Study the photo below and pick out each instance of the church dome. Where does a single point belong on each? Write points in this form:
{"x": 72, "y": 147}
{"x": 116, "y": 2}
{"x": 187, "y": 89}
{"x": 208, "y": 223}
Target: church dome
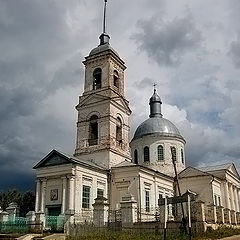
{"x": 102, "y": 48}
{"x": 157, "y": 125}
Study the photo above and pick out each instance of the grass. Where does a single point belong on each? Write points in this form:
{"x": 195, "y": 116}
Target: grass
{"x": 210, "y": 234}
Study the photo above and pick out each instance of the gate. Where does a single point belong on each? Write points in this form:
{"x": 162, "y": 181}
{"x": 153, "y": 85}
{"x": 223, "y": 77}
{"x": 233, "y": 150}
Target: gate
{"x": 115, "y": 220}
{"x": 55, "y": 223}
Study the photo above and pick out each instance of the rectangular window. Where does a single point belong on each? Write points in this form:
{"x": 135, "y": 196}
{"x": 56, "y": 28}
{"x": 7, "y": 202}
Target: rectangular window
{"x": 86, "y": 197}
{"x": 219, "y": 200}
{"x": 215, "y": 200}
{"x": 100, "y": 192}
{"x": 147, "y": 200}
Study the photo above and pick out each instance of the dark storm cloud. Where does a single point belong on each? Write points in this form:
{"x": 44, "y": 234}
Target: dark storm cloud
{"x": 38, "y": 58}
{"x": 167, "y": 41}
{"x": 42, "y": 44}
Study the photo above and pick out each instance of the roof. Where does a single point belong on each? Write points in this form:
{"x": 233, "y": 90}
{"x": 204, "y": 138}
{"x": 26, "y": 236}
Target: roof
{"x": 192, "y": 172}
{"x": 102, "y": 48}
{"x": 225, "y": 166}
{"x": 158, "y": 125}
{"x": 221, "y": 167}
{"x": 125, "y": 163}
{"x": 55, "y": 158}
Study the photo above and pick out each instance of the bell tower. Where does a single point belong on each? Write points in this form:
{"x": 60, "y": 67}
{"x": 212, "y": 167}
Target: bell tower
{"x": 103, "y": 111}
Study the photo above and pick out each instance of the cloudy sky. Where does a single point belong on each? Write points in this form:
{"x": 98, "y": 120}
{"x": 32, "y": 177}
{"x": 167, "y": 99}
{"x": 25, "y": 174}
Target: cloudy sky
{"x": 191, "y": 49}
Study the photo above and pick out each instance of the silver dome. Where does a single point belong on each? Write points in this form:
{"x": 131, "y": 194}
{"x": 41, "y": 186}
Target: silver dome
{"x": 102, "y": 48}
{"x": 157, "y": 125}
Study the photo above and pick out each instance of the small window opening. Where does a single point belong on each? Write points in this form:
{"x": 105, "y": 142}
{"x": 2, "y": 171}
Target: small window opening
{"x": 146, "y": 154}
{"x": 136, "y": 156}
{"x": 182, "y": 156}
{"x": 97, "y": 78}
{"x": 115, "y": 79}
{"x": 119, "y": 131}
{"x": 147, "y": 200}
{"x": 93, "y": 130}
{"x": 100, "y": 193}
{"x": 160, "y": 153}
{"x": 174, "y": 153}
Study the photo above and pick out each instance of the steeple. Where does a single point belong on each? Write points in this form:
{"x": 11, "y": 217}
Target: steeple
{"x": 104, "y": 37}
{"x": 155, "y": 104}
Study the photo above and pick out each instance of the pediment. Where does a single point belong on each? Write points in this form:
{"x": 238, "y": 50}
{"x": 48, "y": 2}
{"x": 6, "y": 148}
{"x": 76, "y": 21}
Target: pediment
{"x": 122, "y": 103}
{"x": 191, "y": 172}
{"x": 54, "y": 158}
{"x": 233, "y": 170}
{"x": 93, "y": 99}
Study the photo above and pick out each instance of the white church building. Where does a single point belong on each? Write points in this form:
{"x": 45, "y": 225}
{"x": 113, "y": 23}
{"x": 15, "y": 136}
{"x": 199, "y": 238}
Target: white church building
{"x": 107, "y": 164}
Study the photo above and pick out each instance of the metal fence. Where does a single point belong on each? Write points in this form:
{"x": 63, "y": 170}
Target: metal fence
{"x": 20, "y": 225}
{"x": 55, "y": 223}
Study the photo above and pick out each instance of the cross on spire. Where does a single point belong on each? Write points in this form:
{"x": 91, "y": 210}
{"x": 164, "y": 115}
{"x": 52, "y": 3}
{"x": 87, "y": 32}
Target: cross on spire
{"x": 154, "y": 87}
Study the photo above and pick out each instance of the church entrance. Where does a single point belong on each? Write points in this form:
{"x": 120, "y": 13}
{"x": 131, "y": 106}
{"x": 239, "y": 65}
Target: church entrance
{"x": 54, "y": 219}
{"x": 54, "y": 210}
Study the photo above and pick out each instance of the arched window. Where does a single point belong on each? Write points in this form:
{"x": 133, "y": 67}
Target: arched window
{"x": 146, "y": 154}
{"x": 160, "y": 153}
{"x": 93, "y": 130}
{"x": 182, "y": 156}
{"x": 115, "y": 79}
{"x": 173, "y": 153}
{"x": 119, "y": 131}
{"x": 97, "y": 78}
{"x": 136, "y": 156}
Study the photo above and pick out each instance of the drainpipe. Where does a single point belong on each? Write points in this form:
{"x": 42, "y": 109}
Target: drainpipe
{"x": 139, "y": 196}
{"x": 211, "y": 186}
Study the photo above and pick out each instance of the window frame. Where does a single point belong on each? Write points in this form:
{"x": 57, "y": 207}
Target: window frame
{"x": 119, "y": 131}
{"x": 97, "y": 78}
{"x": 93, "y": 130}
{"x": 146, "y": 154}
{"x": 147, "y": 200}
{"x": 86, "y": 196}
{"x": 160, "y": 154}
{"x": 135, "y": 156}
{"x": 100, "y": 190}
{"x": 182, "y": 156}
{"x": 116, "y": 79}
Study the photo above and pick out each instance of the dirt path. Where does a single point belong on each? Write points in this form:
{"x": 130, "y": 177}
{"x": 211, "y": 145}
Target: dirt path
{"x": 236, "y": 237}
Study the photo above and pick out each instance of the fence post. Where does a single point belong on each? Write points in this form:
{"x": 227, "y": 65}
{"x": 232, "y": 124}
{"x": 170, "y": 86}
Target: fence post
{"x": 13, "y": 211}
{"x": 31, "y": 218}
{"x": 40, "y": 220}
{"x": 128, "y": 210}
{"x": 100, "y": 212}
{"x": 3, "y": 216}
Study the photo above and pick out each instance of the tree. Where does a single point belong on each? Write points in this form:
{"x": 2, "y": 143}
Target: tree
{"x": 25, "y": 201}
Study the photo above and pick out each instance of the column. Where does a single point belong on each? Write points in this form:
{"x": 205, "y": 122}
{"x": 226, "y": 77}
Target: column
{"x": 71, "y": 193}
{"x": 37, "y": 195}
{"x": 231, "y": 195}
{"x": 44, "y": 185}
{"x": 226, "y": 195}
{"x": 236, "y": 199}
{"x": 64, "y": 188}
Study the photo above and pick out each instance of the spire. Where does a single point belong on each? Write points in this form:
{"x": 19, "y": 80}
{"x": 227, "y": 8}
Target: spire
{"x": 155, "y": 104}
{"x": 104, "y": 37}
